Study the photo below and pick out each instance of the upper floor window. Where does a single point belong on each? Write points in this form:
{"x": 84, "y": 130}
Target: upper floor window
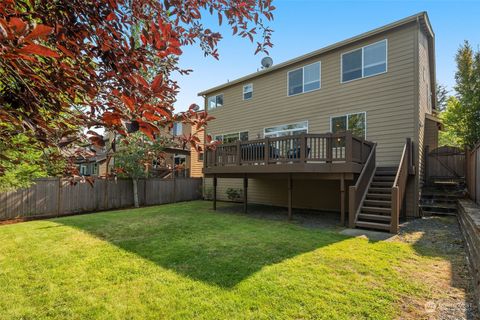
{"x": 304, "y": 79}
{"x": 286, "y": 129}
{"x": 215, "y": 101}
{"x": 355, "y": 122}
{"x": 365, "y": 62}
{"x": 232, "y": 137}
{"x": 247, "y": 91}
{"x": 177, "y": 129}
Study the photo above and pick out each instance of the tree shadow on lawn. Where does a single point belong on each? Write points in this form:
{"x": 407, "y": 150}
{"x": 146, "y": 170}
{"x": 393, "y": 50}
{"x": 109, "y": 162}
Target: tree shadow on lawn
{"x": 215, "y": 247}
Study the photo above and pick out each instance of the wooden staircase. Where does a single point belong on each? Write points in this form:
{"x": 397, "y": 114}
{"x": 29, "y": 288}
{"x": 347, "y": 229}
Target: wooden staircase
{"x": 376, "y": 208}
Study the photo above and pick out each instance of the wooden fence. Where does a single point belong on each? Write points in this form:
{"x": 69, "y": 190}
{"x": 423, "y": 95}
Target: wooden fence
{"x": 473, "y": 173}
{"x": 51, "y": 197}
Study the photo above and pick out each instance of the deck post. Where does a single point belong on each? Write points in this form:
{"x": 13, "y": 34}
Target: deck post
{"x": 290, "y": 187}
{"x": 348, "y": 147}
{"x": 245, "y": 193}
{"x": 214, "y": 193}
{"x": 329, "y": 146}
{"x": 342, "y": 199}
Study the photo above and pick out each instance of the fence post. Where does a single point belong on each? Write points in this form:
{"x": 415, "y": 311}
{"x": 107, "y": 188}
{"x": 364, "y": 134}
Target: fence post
{"x": 59, "y": 196}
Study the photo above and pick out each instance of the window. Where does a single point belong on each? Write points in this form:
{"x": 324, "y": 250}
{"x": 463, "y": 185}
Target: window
{"x": 177, "y": 129}
{"x": 200, "y": 156}
{"x": 247, "y": 91}
{"x": 286, "y": 129}
{"x": 365, "y": 62}
{"x": 232, "y": 137}
{"x": 304, "y": 79}
{"x": 355, "y": 122}
{"x": 215, "y": 101}
{"x": 83, "y": 170}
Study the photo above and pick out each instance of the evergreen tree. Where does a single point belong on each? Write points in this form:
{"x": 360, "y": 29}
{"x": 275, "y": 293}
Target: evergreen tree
{"x": 468, "y": 94}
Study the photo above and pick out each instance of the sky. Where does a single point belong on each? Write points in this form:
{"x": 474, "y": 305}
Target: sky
{"x": 302, "y": 26}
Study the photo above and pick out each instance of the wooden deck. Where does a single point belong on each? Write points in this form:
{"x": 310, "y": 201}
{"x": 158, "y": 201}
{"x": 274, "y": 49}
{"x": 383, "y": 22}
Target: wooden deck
{"x": 306, "y": 153}
{"x": 339, "y": 156}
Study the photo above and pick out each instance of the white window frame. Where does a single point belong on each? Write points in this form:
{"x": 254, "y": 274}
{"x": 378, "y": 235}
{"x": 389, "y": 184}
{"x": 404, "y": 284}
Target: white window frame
{"x": 363, "y": 61}
{"x": 283, "y": 124}
{"x": 208, "y": 106}
{"x": 230, "y": 133}
{"x": 303, "y": 79}
{"x": 243, "y": 91}
{"x": 349, "y": 114}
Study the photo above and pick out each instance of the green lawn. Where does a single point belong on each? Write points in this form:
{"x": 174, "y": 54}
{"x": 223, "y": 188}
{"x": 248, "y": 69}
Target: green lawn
{"x": 185, "y": 261}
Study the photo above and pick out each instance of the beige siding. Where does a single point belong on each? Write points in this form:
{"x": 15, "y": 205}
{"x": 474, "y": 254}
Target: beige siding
{"x": 424, "y": 106}
{"x": 431, "y": 134}
{"x": 305, "y": 193}
{"x": 390, "y": 101}
{"x": 196, "y": 165}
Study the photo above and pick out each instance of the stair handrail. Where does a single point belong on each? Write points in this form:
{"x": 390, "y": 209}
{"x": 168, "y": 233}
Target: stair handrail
{"x": 400, "y": 184}
{"x": 357, "y": 192}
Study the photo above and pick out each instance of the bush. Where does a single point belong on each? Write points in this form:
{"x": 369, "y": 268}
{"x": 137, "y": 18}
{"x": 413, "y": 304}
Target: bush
{"x": 234, "y": 194}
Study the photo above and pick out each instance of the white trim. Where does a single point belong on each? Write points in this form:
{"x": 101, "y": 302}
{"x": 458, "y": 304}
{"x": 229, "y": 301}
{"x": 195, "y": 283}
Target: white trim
{"x": 243, "y": 91}
{"x": 284, "y": 124}
{"x": 363, "y": 61}
{"x": 303, "y": 78}
{"x": 215, "y": 95}
{"x": 346, "y": 115}
{"x": 228, "y": 133}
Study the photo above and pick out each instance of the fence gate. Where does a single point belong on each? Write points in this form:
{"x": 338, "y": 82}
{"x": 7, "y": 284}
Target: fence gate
{"x": 444, "y": 164}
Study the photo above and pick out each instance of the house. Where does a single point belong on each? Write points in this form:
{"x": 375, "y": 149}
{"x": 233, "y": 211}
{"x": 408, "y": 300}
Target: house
{"x": 187, "y": 161}
{"x": 342, "y": 128}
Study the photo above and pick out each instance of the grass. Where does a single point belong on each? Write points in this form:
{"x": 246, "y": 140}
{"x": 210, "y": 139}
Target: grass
{"x": 184, "y": 261}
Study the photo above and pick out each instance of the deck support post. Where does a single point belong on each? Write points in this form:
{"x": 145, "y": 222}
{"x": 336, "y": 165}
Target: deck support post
{"x": 342, "y": 199}
{"x": 214, "y": 193}
{"x": 245, "y": 193}
{"x": 290, "y": 187}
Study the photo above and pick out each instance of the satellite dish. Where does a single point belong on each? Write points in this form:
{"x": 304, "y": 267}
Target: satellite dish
{"x": 267, "y": 62}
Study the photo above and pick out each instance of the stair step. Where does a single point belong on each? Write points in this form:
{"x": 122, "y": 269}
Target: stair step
{"x": 387, "y": 169}
{"x": 439, "y": 213}
{"x": 366, "y": 209}
{"x": 384, "y": 178}
{"x": 386, "y": 173}
{"x": 380, "y": 190}
{"x": 377, "y": 203}
{"x": 376, "y": 196}
{"x": 372, "y": 225}
{"x": 376, "y": 217}
{"x": 438, "y": 205}
{"x": 381, "y": 184}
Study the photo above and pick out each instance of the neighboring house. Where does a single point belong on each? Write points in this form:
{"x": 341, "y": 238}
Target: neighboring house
{"x": 188, "y": 161}
{"x": 95, "y": 165}
{"x": 372, "y": 92}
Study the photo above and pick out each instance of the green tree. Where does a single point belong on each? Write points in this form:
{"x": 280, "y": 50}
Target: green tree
{"x": 454, "y": 121}
{"x": 441, "y": 94}
{"x": 468, "y": 94}
{"x": 20, "y": 173}
{"x": 134, "y": 156}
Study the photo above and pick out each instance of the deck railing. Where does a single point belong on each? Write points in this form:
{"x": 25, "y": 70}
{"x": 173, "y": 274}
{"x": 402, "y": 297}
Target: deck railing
{"x": 303, "y": 148}
{"x": 405, "y": 169}
{"x": 358, "y": 191}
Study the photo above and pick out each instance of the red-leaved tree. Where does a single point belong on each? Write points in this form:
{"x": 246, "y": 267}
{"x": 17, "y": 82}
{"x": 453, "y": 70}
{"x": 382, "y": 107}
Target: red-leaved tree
{"x": 70, "y": 64}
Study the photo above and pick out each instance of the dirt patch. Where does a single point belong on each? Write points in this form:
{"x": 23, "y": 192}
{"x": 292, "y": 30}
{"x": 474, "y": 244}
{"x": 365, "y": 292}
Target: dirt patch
{"x": 447, "y": 277}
